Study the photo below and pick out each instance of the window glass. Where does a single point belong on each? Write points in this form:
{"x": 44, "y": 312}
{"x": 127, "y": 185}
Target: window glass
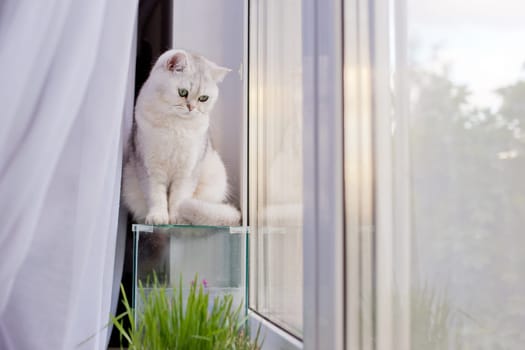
{"x": 466, "y": 106}
{"x": 275, "y": 156}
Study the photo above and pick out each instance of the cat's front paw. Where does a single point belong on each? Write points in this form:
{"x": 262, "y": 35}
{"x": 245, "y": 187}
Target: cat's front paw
{"x": 178, "y": 220}
{"x": 157, "y": 218}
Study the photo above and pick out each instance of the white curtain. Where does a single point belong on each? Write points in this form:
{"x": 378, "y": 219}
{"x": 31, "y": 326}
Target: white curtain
{"x": 65, "y": 107}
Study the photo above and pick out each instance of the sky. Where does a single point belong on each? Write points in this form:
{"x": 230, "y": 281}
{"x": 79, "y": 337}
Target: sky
{"x": 482, "y": 41}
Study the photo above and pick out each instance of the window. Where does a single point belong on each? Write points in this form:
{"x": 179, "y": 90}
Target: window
{"x": 435, "y": 92}
{"x": 296, "y": 172}
{"x": 465, "y": 109}
{"x": 276, "y": 163}
{"x": 400, "y": 208}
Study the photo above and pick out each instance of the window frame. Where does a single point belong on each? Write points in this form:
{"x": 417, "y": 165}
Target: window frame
{"x": 323, "y": 213}
{"x": 274, "y": 337}
{"x": 323, "y": 235}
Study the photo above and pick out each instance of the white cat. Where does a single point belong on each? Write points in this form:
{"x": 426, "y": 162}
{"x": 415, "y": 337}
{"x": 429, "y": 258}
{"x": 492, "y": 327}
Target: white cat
{"x": 173, "y": 174}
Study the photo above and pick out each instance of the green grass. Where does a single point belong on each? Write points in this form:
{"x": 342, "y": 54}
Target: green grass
{"x": 167, "y": 321}
{"x": 435, "y": 325}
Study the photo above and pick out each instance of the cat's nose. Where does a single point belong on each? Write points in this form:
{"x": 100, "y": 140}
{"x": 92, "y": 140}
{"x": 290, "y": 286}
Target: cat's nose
{"x": 190, "y": 107}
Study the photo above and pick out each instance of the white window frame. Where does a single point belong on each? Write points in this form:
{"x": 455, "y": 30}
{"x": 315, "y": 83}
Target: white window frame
{"x": 323, "y": 223}
{"x": 323, "y": 247}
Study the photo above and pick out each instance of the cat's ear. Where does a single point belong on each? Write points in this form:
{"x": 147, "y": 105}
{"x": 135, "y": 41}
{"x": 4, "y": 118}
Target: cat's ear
{"x": 178, "y": 62}
{"x": 218, "y": 73}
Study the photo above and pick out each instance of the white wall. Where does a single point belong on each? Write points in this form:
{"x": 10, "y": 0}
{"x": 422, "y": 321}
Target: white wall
{"x": 215, "y": 29}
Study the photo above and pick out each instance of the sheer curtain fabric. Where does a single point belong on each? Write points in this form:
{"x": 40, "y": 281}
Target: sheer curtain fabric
{"x": 65, "y": 68}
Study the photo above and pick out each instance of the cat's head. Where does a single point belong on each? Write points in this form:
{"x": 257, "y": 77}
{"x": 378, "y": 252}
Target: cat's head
{"x": 187, "y": 83}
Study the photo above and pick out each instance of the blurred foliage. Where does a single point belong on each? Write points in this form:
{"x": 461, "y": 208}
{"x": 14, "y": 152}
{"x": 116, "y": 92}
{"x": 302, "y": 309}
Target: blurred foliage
{"x": 435, "y": 323}
{"x": 468, "y": 197}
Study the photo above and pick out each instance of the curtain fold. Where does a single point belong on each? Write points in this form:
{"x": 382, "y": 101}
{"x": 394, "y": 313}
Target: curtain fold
{"x": 65, "y": 88}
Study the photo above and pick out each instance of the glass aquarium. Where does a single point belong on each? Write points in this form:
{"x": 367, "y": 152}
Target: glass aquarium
{"x": 212, "y": 256}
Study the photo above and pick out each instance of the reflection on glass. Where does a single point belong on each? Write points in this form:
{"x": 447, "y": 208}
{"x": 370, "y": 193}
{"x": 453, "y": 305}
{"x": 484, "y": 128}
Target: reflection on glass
{"x": 275, "y": 151}
{"x": 467, "y": 123}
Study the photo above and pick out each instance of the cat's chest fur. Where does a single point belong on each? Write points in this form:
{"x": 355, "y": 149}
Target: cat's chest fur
{"x": 174, "y": 147}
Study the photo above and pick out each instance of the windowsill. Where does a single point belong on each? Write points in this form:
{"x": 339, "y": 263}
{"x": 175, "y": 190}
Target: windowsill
{"x": 272, "y": 336}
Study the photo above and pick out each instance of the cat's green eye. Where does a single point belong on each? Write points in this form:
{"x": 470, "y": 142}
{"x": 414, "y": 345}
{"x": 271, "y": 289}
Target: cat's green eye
{"x": 203, "y": 98}
{"x": 183, "y": 93}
